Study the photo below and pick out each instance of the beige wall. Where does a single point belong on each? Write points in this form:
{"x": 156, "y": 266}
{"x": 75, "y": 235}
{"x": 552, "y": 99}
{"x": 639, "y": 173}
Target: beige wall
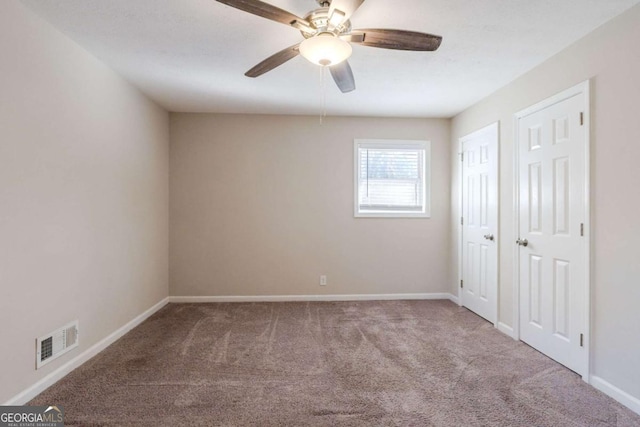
{"x": 263, "y": 205}
{"x": 83, "y": 196}
{"x": 611, "y": 58}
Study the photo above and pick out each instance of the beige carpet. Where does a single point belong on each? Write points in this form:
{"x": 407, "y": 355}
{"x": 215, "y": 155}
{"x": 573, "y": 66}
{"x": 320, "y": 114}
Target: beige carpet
{"x": 394, "y": 363}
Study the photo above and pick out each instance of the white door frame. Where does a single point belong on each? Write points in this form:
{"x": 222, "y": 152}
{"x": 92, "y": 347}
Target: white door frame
{"x": 583, "y": 88}
{"x": 461, "y": 142}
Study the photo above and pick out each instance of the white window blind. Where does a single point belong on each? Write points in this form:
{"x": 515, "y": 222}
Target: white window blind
{"x": 391, "y": 178}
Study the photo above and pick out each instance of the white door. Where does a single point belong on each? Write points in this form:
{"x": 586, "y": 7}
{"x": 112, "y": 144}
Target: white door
{"x": 552, "y": 147}
{"x": 479, "y": 286}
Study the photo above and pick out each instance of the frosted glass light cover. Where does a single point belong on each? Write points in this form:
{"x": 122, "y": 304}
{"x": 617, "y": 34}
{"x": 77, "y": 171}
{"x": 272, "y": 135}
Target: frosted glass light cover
{"x": 325, "y": 49}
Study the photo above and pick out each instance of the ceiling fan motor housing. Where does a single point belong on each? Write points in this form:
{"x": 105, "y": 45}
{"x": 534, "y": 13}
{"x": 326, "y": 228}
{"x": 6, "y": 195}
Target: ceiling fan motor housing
{"x": 319, "y": 20}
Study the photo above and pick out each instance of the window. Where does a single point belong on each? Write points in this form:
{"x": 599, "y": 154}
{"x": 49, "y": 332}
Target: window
{"x": 391, "y": 178}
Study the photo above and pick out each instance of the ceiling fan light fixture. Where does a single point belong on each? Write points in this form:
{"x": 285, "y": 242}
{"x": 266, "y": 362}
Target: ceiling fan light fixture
{"x": 325, "y": 49}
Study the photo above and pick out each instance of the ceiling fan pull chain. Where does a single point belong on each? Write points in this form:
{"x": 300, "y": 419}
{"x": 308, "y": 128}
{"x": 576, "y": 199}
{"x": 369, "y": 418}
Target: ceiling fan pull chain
{"x": 323, "y": 93}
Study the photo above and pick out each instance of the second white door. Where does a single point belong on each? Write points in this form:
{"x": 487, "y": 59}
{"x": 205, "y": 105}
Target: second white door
{"x": 479, "y": 285}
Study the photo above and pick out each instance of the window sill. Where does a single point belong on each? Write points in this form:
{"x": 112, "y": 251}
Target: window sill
{"x": 392, "y": 215}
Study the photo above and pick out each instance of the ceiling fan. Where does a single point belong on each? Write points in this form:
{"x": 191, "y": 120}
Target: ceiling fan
{"x": 328, "y": 36}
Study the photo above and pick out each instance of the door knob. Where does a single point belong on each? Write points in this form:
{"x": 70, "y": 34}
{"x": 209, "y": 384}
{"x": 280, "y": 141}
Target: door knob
{"x": 489, "y": 237}
{"x": 522, "y": 242}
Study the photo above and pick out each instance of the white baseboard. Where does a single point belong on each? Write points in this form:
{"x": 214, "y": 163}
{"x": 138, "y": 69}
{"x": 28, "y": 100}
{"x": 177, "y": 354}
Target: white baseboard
{"x": 46, "y": 382}
{"x": 614, "y": 392}
{"x": 284, "y": 298}
{"x": 505, "y": 329}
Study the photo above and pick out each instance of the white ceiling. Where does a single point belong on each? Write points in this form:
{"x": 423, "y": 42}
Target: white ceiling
{"x": 191, "y": 55}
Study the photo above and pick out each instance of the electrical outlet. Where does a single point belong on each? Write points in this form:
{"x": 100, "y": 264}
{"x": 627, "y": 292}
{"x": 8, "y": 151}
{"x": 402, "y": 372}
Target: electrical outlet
{"x": 323, "y": 280}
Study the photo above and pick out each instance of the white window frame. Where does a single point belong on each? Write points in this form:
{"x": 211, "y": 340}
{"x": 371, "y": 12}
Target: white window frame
{"x": 399, "y": 144}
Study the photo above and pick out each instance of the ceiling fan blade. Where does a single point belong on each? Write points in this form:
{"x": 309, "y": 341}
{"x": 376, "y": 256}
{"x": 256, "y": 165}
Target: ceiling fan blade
{"x": 343, "y": 76}
{"x": 274, "y": 61}
{"x": 268, "y": 11}
{"x": 343, "y": 9}
{"x": 396, "y": 39}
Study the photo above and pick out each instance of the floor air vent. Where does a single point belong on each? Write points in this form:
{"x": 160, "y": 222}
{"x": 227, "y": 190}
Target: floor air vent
{"x": 55, "y": 344}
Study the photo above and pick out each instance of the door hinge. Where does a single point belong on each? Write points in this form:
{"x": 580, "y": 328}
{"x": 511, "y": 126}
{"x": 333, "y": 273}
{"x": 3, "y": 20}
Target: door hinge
{"x": 581, "y": 119}
{"x": 462, "y": 157}
{"x": 462, "y": 283}
{"x": 582, "y": 230}
{"x": 461, "y": 220}
{"x": 581, "y": 340}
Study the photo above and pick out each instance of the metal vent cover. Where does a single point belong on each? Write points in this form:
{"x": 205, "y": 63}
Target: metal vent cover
{"x": 53, "y": 345}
